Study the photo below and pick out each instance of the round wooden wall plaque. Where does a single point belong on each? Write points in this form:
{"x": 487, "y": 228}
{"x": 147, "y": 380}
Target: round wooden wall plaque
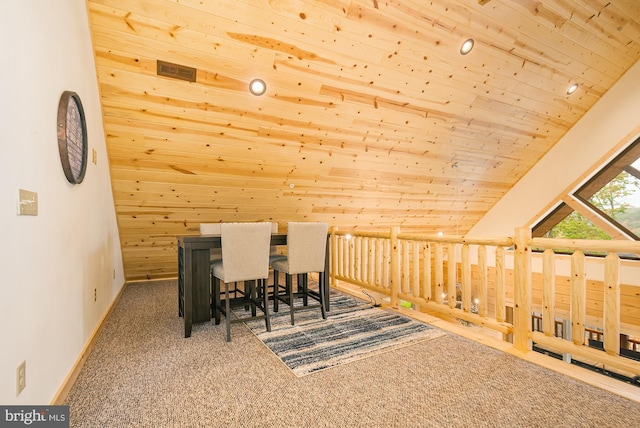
{"x": 72, "y": 137}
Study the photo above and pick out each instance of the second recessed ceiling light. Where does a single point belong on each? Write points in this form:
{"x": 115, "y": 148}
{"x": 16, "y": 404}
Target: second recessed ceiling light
{"x": 466, "y": 46}
{"x": 257, "y": 87}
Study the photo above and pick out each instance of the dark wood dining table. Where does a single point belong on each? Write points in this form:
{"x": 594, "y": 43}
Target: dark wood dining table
{"x": 194, "y": 283}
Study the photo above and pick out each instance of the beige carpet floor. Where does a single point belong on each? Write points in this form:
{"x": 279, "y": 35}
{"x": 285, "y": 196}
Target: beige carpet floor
{"x": 144, "y": 373}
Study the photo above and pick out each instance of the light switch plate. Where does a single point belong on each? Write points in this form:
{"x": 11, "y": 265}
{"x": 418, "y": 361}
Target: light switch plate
{"x": 27, "y": 202}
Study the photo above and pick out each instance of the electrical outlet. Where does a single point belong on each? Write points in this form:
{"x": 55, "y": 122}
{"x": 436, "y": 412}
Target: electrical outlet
{"x": 95, "y": 294}
{"x": 21, "y": 377}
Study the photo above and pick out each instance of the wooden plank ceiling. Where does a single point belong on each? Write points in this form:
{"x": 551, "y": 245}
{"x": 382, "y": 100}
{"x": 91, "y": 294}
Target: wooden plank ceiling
{"x": 369, "y": 106}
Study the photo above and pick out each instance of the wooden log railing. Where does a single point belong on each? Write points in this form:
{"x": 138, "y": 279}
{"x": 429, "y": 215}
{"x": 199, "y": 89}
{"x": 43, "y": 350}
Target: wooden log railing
{"x": 577, "y": 344}
{"x": 465, "y": 278}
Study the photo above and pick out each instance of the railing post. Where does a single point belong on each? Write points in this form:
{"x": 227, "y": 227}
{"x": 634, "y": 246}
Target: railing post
{"x": 522, "y": 290}
{"x": 395, "y": 265}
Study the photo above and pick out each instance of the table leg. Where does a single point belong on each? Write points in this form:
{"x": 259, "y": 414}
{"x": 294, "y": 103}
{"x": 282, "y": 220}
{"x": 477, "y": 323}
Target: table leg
{"x": 188, "y": 291}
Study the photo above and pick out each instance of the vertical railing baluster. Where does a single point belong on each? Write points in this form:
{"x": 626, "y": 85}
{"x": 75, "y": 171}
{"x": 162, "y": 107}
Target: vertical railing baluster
{"x": 371, "y": 260}
{"x": 386, "y": 267}
{"x": 365, "y": 260}
{"x": 357, "y": 274}
{"x": 378, "y": 262}
{"x": 501, "y": 306}
{"x": 439, "y": 274}
{"x": 340, "y": 244}
{"x": 352, "y": 267}
{"x": 452, "y": 275}
{"x": 404, "y": 261}
{"x": 466, "y": 278}
{"x": 415, "y": 277}
{"x": 395, "y": 268}
{"x": 578, "y": 297}
{"x": 548, "y": 292}
{"x": 483, "y": 293}
{"x": 426, "y": 271}
{"x": 341, "y": 256}
{"x": 612, "y": 304}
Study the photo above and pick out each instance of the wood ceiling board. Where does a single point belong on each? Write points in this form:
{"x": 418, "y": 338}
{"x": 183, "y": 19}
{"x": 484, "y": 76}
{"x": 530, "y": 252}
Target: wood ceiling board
{"x": 130, "y": 34}
{"x": 212, "y": 101}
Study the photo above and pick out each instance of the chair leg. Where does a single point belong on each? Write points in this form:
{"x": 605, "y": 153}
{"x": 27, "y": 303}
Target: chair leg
{"x": 291, "y": 297}
{"x": 321, "y": 293}
{"x": 265, "y": 303}
{"x": 276, "y": 287}
{"x": 324, "y": 282}
{"x": 212, "y": 293}
{"x": 227, "y": 314}
{"x": 303, "y": 287}
{"x": 251, "y": 285}
{"x": 216, "y": 301}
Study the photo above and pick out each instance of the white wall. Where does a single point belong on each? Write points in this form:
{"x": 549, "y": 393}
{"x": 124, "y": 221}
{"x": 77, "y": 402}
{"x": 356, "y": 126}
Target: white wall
{"x": 613, "y": 118}
{"x": 52, "y": 262}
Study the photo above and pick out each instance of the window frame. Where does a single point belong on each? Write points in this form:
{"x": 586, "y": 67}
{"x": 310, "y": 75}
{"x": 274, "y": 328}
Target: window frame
{"x": 622, "y": 162}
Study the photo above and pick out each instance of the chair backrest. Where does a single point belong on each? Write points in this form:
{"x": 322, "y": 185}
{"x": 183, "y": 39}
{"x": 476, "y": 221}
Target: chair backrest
{"x": 210, "y": 228}
{"x": 306, "y": 246}
{"x": 274, "y": 249}
{"x": 214, "y": 228}
{"x": 245, "y": 250}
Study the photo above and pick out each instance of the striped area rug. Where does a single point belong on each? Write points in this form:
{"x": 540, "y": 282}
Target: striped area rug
{"x": 353, "y": 330}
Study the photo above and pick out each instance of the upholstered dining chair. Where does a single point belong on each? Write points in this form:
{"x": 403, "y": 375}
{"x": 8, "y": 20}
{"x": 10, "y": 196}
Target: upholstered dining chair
{"x": 274, "y": 255}
{"x": 216, "y": 254}
{"x": 212, "y": 229}
{"x": 306, "y": 250}
{"x": 245, "y": 257}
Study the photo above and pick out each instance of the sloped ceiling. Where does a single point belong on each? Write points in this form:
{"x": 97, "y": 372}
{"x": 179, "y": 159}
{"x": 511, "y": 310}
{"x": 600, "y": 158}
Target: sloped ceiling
{"x": 371, "y": 117}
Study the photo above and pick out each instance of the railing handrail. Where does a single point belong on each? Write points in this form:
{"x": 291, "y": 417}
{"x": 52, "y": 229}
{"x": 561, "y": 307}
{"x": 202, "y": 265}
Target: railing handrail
{"x": 596, "y": 245}
{"x": 491, "y": 241}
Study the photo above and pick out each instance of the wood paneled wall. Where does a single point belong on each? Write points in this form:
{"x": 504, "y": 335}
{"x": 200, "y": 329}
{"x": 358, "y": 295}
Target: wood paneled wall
{"x": 369, "y": 106}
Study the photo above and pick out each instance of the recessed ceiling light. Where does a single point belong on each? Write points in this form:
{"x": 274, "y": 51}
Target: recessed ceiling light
{"x": 257, "y": 87}
{"x": 572, "y": 89}
{"x": 466, "y": 46}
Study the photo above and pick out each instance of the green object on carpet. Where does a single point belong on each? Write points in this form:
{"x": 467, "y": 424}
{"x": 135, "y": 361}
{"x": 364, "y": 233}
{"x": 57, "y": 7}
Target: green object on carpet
{"x": 353, "y": 330}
